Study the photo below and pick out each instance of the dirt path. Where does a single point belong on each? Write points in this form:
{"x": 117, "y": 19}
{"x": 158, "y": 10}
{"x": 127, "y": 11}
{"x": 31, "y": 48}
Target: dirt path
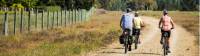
{"x": 182, "y": 43}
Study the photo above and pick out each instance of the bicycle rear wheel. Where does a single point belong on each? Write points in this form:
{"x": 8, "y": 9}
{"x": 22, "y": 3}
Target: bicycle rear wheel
{"x": 126, "y": 44}
{"x": 165, "y": 47}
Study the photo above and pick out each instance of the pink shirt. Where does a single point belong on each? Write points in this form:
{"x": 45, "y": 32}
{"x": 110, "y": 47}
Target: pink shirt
{"x": 166, "y": 23}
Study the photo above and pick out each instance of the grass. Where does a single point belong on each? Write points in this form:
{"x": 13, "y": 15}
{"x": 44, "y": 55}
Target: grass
{"x": 70, "y": 41}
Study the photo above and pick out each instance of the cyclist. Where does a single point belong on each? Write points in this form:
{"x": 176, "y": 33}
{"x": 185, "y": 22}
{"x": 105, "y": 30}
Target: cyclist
{"x": 126, "y": 22}
{"x": 138, "y": 23}
{"x": 166, "y": 24}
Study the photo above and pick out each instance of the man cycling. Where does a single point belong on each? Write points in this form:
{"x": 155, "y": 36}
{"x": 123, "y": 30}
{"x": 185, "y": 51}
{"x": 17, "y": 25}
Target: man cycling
{"x": 166, "y": 24}
{"x": 126, "y": 22}
{"x": 138, "y": 23}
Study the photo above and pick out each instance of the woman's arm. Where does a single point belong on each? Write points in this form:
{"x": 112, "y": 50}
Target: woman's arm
{"x": 172, "y": 22}
{"x": 159, "y": 25}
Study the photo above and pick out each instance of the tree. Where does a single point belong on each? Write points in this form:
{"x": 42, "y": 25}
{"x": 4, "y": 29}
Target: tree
{"x": 2, "y": 3}
{"x": 29, "y": 3}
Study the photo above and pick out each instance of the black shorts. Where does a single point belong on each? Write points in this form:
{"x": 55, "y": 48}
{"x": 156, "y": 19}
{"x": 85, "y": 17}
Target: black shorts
{"x": 168, "y": 33}
{"x": 136, "y": 31}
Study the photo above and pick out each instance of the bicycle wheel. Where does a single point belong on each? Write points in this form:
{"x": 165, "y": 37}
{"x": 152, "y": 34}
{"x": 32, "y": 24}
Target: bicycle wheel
{"x": 126, "y": 44}
{"x": 165, "y": 47}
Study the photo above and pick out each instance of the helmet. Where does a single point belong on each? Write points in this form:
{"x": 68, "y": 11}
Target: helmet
{"x": 128, "y": 10}
{"x": 136, "y": 14}
{"x": 165, "y": 11}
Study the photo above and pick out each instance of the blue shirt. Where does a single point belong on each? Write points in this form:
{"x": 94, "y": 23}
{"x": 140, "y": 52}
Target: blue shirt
{"x": 127, "y": 20}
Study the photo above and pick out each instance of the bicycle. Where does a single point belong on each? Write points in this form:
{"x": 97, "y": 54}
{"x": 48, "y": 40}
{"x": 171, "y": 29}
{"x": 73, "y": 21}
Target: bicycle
{"x": 165, "y": 45}
{"x": 127, "y": 39}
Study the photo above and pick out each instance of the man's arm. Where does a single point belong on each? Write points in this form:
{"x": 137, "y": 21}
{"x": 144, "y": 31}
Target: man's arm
{"x": 142, "y": 23}
{"x": 133, "y": 22}
{"x": 121, "y": 21}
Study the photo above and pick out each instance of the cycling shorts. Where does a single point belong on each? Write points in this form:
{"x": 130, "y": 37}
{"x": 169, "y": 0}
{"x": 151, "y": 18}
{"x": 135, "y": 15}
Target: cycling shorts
{"x": 168, "y": 33}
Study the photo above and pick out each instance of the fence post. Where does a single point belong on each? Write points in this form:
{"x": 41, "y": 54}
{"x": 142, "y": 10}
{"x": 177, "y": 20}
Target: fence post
{"x": 65, "y": 18}
{"x": 75, "y": 16}
{"x": 47, "y": 19}
{"x": 42, "y": 19}
{"x": 72, "y": 16}
{"x": 85, "y": 13}
{"x": 69, "y": 16}
{"x": 81, "y": 15}
{"x": 78, "y": 15}
{"x": 21, "y": 21}
{"x": 61, "y": 17}
{"x": 15, "y": 18}
{"x": 5, "y": 29}
{"x": 53, "y": 19}
{"x": 29, "y": 19}
{"x": 57, "y": 18}
{"x": 36, "y": 18}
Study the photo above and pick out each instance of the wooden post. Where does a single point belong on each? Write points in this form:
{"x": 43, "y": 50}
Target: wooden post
{"x": 69, "y": 17}
{"x": 29, "y": 19}
{"x": 57, "y": 18}
{"x": 72, "y": 16}
{"x": 5, "y": 29}
{"x": 48, "y": 19}
{"x": 65, "y": 18}
{"x": 21, "y": 21}
{"x": 75, "y": 19}
{"x": 81, "y": 15}
{"x": 53, "y": 19}
{"x": 78, "y": 15}
{"x": 36, "y": 18}
{"x": 61, "y": 17}
{"x": 15, "y": 18}
{"x": 42, "y": 19}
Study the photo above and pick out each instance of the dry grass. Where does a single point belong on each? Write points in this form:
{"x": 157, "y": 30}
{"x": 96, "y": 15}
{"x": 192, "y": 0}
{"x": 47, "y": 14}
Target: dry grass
{"x": 70, "y": 41}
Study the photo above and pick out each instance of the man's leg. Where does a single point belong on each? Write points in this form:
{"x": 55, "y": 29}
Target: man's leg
{"x": 129, "y": 48}
{"x": 139, "y": 36}
{"x": 131, "y": 38}
{"x": 161, "y": 40}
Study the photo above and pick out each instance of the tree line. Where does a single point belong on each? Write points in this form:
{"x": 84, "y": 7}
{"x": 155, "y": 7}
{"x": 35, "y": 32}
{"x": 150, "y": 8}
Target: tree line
{"x": 106, "y": 4}
{"x": 183, "y": 5}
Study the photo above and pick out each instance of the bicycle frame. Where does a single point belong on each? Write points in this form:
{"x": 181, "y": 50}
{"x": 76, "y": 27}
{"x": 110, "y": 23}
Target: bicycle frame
{"x": 165, "y": 44}
{"x": 126, "y": 40}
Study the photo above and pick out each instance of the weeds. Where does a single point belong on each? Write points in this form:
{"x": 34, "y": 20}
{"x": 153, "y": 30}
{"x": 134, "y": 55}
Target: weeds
{"x": 71, "y": 41}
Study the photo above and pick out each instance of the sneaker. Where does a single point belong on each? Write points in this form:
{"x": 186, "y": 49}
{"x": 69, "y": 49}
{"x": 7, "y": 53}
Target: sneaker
{"x": 168, "y": 51}
{"x": 161, "y": 42}
{"x": 129, "y": 49}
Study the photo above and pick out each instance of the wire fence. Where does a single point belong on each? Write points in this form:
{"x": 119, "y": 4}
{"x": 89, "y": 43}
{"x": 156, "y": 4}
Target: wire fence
{"x": 26, "y": 21}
